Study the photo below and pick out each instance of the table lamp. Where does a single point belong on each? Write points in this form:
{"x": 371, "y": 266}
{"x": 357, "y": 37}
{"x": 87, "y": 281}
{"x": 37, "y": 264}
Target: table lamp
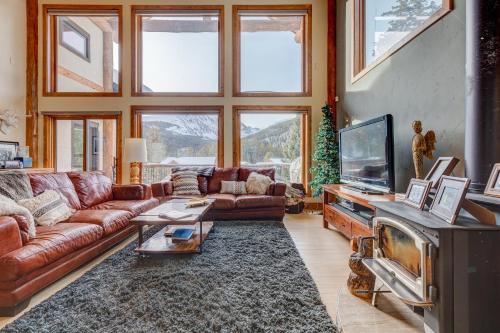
{"x": 135, "y": 153}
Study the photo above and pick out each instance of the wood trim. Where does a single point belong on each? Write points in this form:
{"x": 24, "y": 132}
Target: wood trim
{"x": 32, "y": 79}
{"x": 137, "y": 111}
{"x": 50, "y": 128}
{"x": 136, "y": 24}
{"x": 78, "y": 78}
{"x": 331, "y": 71}
{"x": 50, "y": 74}
{"x": 358, "y": 41}
{"x": 305, "y": 133}
{"x": 307, "y": 51}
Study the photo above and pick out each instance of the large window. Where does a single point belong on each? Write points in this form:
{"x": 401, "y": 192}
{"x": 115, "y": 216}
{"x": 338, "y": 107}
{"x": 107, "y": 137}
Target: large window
{"x": 82, "y": 50}
{"x": 382, "y": 27}
{"x": 272, "y": 51}
{"x": 178, "y": 50}
{"x": 273, "y": 136}
{"x": 179, "y": 136}
{"x": 83, "y": 142}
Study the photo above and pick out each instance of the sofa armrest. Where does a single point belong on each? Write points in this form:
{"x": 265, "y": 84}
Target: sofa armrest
{"x": 279, "y": 189}
{"x": 129, "y": 192}
{"x": 163, "y": 188}
{"x": 23, "y": 224}
{"x": 10, "y": 235}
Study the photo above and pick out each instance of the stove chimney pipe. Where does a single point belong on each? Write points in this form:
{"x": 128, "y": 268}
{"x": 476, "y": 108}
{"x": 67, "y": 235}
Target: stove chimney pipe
{"x": 482, "y": 115}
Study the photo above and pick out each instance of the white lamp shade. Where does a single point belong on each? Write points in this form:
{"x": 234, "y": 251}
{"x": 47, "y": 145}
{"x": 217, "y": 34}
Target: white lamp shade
{"x": 136, "y": 150}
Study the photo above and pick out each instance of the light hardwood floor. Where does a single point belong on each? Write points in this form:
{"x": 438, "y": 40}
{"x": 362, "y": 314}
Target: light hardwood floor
{"x": 325, "y": 253}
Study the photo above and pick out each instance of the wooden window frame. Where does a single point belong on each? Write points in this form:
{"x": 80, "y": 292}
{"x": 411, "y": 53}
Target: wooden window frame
{"x": 79, "y": 30}
{"x": 306, "y": 51}
{"x": 358, "y": 37}
{"x": 136, "y": 28}
{"x": 138, "y": 110}
{"x": 50, "y": 68}
{"x": 49, "y": 136}
{"x": 305, "y": 144}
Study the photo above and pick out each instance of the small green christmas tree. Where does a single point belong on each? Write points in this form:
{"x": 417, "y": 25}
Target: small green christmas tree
{"x": 326, "y": 155}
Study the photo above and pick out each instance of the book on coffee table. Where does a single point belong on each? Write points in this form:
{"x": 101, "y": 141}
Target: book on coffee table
{"x": 182, "y": 234}
{"x": 174, "y": 215}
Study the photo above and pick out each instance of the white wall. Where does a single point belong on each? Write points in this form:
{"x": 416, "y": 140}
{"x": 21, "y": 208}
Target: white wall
{"x": 319, "y": 52}
{"x": 13, "y": 64}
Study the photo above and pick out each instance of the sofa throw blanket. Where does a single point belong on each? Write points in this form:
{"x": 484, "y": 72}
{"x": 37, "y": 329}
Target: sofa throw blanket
{"x": 10, "y": 207}
{"x": 201, "y": 171}
{"x": 48, "y": 208}
{"x": 185, "y": 183}
{"x": 15, "y": 186}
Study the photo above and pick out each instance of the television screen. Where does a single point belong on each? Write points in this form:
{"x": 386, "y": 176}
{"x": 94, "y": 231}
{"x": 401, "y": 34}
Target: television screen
{"x": 366, "y": 152}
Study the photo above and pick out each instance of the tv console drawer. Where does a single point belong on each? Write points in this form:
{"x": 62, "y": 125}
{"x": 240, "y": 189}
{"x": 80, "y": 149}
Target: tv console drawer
{"x": 339, "y": 220}
{"x": 359, "y": 229}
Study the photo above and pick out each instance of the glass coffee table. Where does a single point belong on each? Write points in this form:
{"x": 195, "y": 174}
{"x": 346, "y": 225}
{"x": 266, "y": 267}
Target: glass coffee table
{"x": 161, "y": 244}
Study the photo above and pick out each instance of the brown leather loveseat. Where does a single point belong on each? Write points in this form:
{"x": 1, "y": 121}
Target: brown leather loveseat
{"x": 235, "y": 207}
{"x": 101, "y": 219}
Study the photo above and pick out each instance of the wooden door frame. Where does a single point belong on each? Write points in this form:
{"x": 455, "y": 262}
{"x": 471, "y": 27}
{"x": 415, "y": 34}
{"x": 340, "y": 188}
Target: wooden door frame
{"x": 305, "y": 128}
{"x": 49, "y": 136}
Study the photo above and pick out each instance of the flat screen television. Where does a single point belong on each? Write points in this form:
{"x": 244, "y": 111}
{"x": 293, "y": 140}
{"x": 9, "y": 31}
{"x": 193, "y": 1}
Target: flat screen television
{"x": 367, "y": 155}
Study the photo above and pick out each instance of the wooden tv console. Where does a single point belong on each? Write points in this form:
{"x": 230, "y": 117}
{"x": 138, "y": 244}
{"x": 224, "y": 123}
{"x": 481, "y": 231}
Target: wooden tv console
{"x": 351, "y": 223}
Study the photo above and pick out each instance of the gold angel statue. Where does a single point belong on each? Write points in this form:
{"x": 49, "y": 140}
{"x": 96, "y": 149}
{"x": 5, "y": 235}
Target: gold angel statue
{"x": 422, "y": 146}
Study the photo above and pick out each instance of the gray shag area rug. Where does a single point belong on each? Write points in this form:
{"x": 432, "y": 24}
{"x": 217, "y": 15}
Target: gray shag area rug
{"x": 250, "y": 278}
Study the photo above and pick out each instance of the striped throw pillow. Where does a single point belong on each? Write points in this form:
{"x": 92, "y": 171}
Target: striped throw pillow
{"x": 48, "y": 209}
{"x": 233, "y": 187}
{"x": 185, "y": 183}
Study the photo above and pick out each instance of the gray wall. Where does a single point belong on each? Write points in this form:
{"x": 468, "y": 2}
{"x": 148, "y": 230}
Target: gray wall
{"x": 424, "y": 80}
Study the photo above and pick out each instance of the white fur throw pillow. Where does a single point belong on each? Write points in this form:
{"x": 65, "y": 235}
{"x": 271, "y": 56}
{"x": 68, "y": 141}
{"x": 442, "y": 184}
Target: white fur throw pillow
{"x": 258, "y": 184}
{"x": 10, "y": 207}
{"x": 48, "y": 209}
{"x": 233, "y": 187}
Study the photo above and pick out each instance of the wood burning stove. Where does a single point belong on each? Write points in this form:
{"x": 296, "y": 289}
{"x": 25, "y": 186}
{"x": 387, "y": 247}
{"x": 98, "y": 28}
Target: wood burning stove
{"x": 403, "y": 258}
{"x": 451, "y": 271}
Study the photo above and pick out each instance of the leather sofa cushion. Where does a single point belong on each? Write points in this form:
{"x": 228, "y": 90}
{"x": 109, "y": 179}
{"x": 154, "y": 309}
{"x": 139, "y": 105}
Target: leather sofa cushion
{"x": 59, "y": 182}
{"x": 243, "y": 173}
{"x": 10, "y": 236}
{"x": 50, "y": 244}
{"x": 23, "y": 224}
{"x": 259, "y": 201}
{"x": 135, "y": 207}
{"x": 223, "y": 201}
{"x": 109, "y": 220}
{"x": 92, "y": 188}
{"x": 220, "y": 174}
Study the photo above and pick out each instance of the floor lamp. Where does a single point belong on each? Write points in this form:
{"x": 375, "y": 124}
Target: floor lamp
{"x": 135, "y": 153}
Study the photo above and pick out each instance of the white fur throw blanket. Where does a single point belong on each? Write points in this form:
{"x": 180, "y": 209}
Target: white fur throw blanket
{"x": 10, "y": 207}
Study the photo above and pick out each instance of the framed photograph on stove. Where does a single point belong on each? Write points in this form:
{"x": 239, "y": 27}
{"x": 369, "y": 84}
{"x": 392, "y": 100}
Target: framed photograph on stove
{"x": 449, "y": 197}
{"x": 417, "y": 192}
{"x": 493, "y": 185}
{"x": 443, "y": 167}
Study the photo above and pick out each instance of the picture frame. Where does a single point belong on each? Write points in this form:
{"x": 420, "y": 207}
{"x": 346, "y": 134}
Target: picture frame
{"x": 443, "y": 167}
{"x": 493, "y": 185}
{"x": 449, "y": 197}
{"x": 8, "y": 150}
{"x": 417, "y": 192}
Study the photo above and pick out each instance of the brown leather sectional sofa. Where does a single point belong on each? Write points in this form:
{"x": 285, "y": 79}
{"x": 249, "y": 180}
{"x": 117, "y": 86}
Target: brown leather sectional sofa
{"x": 235, "y": 207}
{"x": 101, "y": 220}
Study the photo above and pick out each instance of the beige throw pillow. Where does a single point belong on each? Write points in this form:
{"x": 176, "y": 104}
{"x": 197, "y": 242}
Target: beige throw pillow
{"x": 258, "y": 184}
{"x": 233, "y": 187}
{"x": 48, "y": 209}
